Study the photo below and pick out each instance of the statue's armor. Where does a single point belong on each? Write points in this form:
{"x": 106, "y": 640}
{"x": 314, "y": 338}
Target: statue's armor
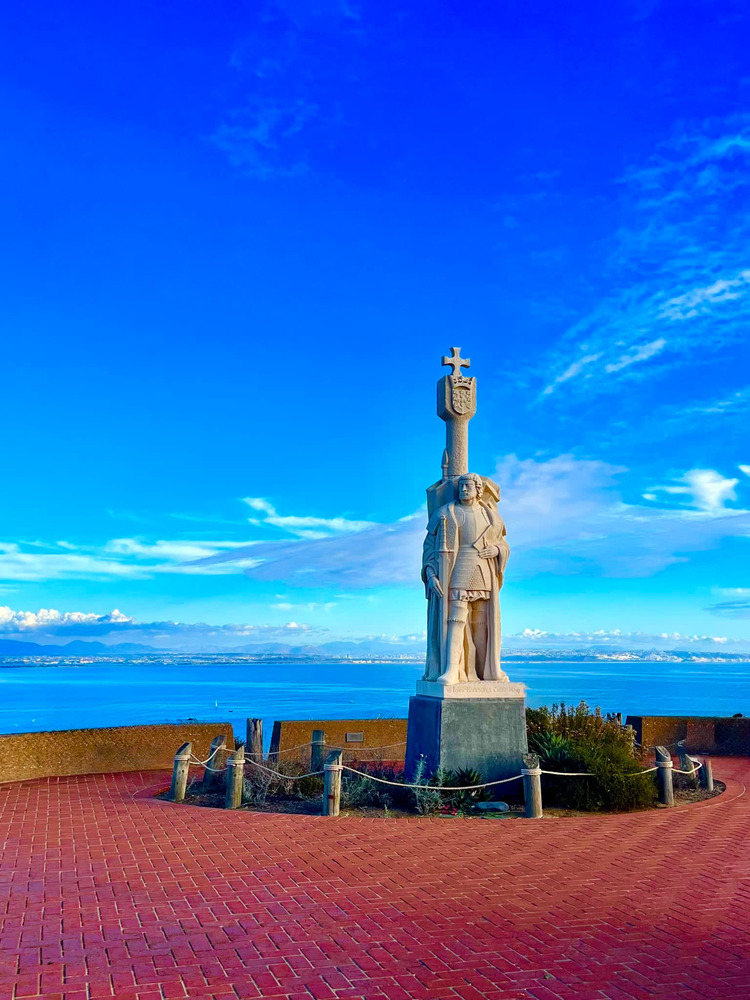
{"x": 470, "y": 572}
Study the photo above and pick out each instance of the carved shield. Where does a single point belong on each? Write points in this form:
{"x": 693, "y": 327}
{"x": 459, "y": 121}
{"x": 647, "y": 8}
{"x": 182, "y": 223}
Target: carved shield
{"x": 461, "y": 400}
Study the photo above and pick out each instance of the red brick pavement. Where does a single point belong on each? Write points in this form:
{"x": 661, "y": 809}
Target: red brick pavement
{"x": 107, "y": 892}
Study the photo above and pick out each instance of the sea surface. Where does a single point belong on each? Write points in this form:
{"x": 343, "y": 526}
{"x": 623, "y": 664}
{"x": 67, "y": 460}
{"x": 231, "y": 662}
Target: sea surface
{"x": 39, "y": 698}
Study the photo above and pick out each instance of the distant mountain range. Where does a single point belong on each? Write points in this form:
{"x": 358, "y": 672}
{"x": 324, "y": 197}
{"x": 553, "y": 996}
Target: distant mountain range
{"x": 78, "y": 647}
{"x": 364, "y": 649}
{"x": 81, "y": 647}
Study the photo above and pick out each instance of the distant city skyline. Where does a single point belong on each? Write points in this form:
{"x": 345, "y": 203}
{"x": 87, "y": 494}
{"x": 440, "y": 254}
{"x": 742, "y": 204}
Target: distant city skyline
{"x": 240, "y": 243}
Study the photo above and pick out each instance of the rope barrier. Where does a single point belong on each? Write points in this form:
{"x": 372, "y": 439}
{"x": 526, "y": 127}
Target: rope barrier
{"x": 441, "y": 788}
{"x": 571, "y": 774}
{"x": 329, "y": 746}
{"x": 204, "y": 763}
{"x": 698, "y": 766}
{"x": 388, "y": 746}
{"x": 278, "y": 774}
{"x": 431, "y": 788}
{"x": 216, "y": 770}
{"x": 300, "y": 746}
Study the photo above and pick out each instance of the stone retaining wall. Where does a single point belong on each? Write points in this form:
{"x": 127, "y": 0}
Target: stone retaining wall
{"x": 703, "y": 734}
{"x": 99, "y": 751}
{"x": 375, "y": 733}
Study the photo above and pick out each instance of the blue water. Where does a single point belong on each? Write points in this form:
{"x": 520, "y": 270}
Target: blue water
{"x": 34, "y": 699}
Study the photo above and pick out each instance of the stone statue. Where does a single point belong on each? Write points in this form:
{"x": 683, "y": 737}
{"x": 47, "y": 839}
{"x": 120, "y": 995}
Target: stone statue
{"x": 465, "y": 550}
{"x": 464, "y": 559}
{"x": 465, "y": 711}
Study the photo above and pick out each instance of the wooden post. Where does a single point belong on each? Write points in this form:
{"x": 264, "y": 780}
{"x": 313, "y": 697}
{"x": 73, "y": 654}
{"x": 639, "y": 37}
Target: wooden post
{"x": 254, "y": 743}
{"x": 665, "y": 776}
{"x": 687, "y": 764}
{"x": 215, "y": 759}
{"x": 180, "y": 772}
{"x": 317, "y": 750}
{"x": 706, "y": 774}
{"x": 332, "y": 784}
{"x": 532, "y": 786}
{"x": 235, "y": 774}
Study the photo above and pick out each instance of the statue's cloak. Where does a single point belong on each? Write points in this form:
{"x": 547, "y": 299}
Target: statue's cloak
{"x": 493, "y": 534}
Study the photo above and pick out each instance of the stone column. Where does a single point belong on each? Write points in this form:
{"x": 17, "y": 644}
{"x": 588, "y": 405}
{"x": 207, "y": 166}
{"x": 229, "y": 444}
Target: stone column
{"x": 456, "y": 405}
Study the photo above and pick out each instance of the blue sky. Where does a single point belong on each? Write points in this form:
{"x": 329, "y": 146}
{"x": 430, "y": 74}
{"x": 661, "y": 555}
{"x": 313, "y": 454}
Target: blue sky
{"x": 239, "y": 240}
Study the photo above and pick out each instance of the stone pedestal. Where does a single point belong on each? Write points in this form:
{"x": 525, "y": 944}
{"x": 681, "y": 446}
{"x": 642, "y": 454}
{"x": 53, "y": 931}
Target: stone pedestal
{"x": 454, "y": 727}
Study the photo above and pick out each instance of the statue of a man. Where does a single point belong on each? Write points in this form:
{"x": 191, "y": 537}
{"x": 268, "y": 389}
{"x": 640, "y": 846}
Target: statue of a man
{"x": 466, "y": 549}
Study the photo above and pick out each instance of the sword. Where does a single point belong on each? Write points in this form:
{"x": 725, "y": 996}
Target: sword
{"x": 443, "y": 553}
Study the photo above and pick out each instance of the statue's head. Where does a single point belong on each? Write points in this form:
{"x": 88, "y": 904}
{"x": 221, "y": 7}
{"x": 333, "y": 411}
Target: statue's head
{"x": 470, "y": 487}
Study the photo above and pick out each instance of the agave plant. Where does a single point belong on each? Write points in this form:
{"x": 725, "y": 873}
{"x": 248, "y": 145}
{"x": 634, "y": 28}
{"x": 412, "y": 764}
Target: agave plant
{"x": 552, "y": 747}
{"x": 467, "y": 798}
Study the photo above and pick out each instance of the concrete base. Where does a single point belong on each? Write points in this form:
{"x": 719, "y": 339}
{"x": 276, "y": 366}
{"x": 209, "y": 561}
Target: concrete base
{"x": 488, "y": 734}
{"x": 477, "y": 689}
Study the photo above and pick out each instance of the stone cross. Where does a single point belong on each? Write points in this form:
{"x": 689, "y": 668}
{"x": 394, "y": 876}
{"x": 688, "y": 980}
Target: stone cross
{"x": 456, "y": 361}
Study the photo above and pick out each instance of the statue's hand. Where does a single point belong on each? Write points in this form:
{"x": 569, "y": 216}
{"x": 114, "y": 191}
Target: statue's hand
{"x": 490, "y": 552}
{"x": 434, "y": 585}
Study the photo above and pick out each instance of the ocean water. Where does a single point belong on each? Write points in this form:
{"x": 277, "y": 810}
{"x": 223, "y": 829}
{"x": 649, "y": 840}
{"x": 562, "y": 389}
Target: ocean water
{"x": 35, "y": 699}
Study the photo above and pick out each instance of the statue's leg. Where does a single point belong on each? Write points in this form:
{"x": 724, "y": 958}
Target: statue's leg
{"x": 479, "y": 628}
{"x": 458, "y": 612}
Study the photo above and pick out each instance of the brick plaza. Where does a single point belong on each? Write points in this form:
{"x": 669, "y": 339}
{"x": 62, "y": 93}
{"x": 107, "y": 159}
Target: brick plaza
{"x": 107, "y": 892}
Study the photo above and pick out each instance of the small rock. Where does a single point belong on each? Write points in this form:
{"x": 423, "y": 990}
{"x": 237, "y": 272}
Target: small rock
{"x": 498, "y": 807}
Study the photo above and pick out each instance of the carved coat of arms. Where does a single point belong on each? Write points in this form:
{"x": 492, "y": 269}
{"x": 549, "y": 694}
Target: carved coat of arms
{"x": 461, "y": 399}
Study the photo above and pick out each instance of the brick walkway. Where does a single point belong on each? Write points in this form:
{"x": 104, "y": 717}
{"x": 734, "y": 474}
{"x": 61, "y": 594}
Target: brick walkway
{"x": 109, "y": 893}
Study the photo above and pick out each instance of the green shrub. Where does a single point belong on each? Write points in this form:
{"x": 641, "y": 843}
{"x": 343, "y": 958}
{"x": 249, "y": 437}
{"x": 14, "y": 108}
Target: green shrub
{"x": 427, "y": 801}
{"x": 464, "y": 799}
{"x": 358, "y": 792}
{"x": 259, "y": 785}
{"x": 581, "y": 740}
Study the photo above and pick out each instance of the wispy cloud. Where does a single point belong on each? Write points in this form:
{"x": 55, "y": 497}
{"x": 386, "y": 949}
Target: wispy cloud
{"x": 117, "y": 558}
{"x": 565, "y": 516}
{"x": 50, "y": 623}
{"x": 734, "y": 404}
{"x": 680, "y": 268}
{"x": 731, "y": 609}
{"x": 636, "y": 354}
{"x": 293, "y": 75}
{"x": 256, "y": 137}
{"x": 304, "y": 526}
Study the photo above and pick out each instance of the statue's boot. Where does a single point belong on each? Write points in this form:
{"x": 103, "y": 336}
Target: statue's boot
{"x": 458, "y": 616}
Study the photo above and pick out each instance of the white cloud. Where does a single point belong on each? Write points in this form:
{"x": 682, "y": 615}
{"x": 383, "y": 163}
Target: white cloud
{"x": 49, "y": 620}
{"x": 706, "y": 489}
{"x": 745, "y": 469}
{"x": 118, "y": 558}
{"x": 47, "y": 623}
{"x": 614, "y": 639}
{"x": 308, "y": 606}
{"x": 173, "y": 551}
{"x": 635, "y": 354}
{"x": 258, "y": 503}
{"x": 305, "y": 526}
{"x": 572, "y": 371}
{"x": 18, "y": 564}
{"x": 701, "y": 300}
{"x": 48, "y": 626}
